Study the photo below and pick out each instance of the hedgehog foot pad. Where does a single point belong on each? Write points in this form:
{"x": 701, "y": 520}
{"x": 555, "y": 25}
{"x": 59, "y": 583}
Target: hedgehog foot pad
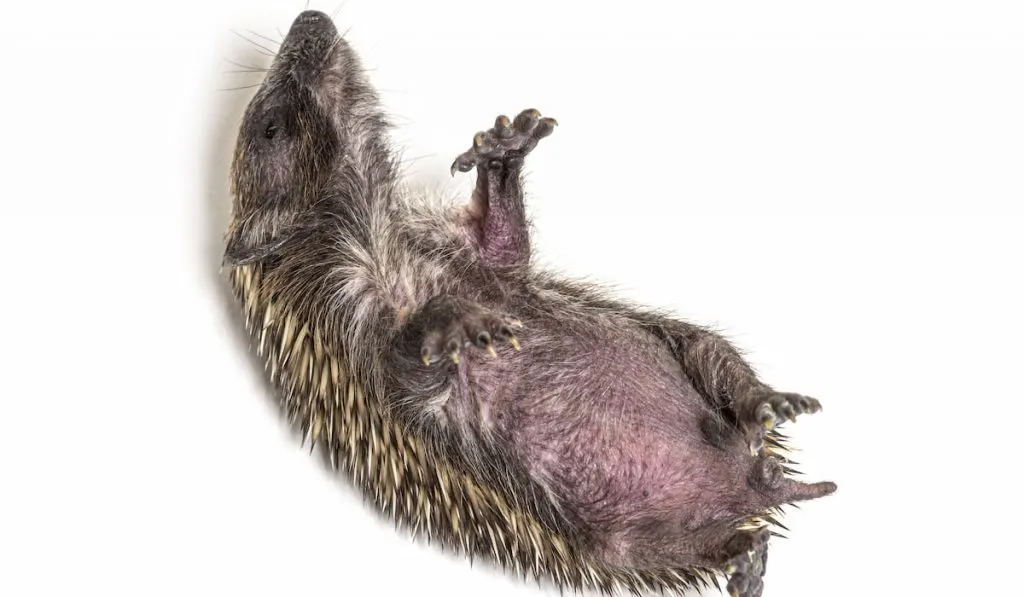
{"x": 507, "y": 139}
{"x": 747, "y": 566}
{"x": 451, "y": 325}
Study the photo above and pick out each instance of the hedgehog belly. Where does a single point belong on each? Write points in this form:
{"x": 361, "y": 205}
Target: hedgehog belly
{"x": 610, "y": 423}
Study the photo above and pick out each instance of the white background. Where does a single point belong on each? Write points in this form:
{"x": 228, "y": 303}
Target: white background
{"x": 837, "y": 186}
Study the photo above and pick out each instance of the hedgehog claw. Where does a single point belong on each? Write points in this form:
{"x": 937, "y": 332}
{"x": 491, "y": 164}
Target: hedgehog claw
{"x": 746, "y": 568}
{"x": 450, "y": 326}
{"x": 755, "y": 440}
{"x": 505, "y": 140}
{"x": 766, "y": 415}
{"x": 769, "y": 408}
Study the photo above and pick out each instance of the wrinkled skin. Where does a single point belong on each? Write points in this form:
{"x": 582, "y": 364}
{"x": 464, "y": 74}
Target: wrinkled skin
{"x": 643, "y": 434}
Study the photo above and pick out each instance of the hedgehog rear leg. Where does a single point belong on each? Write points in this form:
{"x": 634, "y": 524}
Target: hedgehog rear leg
{"x": 446, "y": 326}
{"x": 499, "y": 216}
{"x": 761, "y": 408}
{"x": 747, "y": 557}
{"x": 727, "y": 380}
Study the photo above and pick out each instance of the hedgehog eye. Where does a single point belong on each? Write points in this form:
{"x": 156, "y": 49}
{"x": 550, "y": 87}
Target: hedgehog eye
{"x": 271, "y": 130}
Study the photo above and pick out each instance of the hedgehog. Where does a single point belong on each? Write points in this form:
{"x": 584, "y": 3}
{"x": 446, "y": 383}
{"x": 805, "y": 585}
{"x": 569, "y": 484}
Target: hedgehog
{"x": 502, "y": 411}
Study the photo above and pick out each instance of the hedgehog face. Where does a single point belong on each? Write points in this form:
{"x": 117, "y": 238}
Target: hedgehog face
{"x": 291, "y": 133}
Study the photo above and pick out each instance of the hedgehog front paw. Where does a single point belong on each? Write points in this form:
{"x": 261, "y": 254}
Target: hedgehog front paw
{"x": 451, "y": 325}
{"x": 747, "y": 562}
{"x": 507, "y": 139}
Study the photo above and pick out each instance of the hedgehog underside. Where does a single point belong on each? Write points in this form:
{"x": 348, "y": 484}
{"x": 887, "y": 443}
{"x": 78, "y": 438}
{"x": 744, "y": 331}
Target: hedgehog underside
{"x": 645, "y": 483}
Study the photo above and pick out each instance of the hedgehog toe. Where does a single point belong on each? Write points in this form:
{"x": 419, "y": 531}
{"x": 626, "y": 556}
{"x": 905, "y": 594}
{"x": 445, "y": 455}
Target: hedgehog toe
{"x": 769, "y": 408}
{"x": 746, "y": 569}
{"x": 506, "y": 140}
{"x": 449, "y": 326}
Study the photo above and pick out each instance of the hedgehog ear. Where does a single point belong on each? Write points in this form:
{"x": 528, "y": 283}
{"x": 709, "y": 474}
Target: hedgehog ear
{"x": 240, "y": 252}
{"x": 242, "y": 248}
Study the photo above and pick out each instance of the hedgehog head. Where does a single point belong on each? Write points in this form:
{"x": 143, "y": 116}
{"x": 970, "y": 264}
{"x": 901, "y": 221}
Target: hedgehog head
{"x": 296, "y": 132}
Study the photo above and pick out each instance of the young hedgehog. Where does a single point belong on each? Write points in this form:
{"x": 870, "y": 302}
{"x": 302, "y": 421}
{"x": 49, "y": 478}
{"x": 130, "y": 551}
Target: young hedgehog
{"x": 506, "y": 413}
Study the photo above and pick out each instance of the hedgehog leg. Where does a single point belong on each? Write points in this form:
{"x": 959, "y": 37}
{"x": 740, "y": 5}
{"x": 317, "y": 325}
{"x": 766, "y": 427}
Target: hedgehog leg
{"x": 446, "y": 326}
{"x": 760, "y": 408}
{"x": 499, "y": 215}
{"x": 746, "y": 560}
{"x": 726, "y": 380}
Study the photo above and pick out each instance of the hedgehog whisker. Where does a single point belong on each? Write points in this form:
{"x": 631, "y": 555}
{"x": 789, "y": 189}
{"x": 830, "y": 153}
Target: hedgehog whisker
{"x": 250, "y": 67}
{"x": 338, "y": 9}
{"x": 260, "y": 35}
{"x": 258, "y": 45}
{"x": 239, "y": 88}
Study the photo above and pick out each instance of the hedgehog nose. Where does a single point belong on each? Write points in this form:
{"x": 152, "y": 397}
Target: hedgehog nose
{"x": 312, "y": 24}
{"x": 312, "y": 19}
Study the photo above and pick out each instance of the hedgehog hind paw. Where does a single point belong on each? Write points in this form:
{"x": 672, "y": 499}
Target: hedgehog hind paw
{"x": 772, "y": 408}
{"x": 746, "y": 567}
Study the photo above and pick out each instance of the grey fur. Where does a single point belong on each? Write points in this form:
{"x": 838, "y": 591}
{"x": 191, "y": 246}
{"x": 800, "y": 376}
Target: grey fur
{"x": 632, "y": 443}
